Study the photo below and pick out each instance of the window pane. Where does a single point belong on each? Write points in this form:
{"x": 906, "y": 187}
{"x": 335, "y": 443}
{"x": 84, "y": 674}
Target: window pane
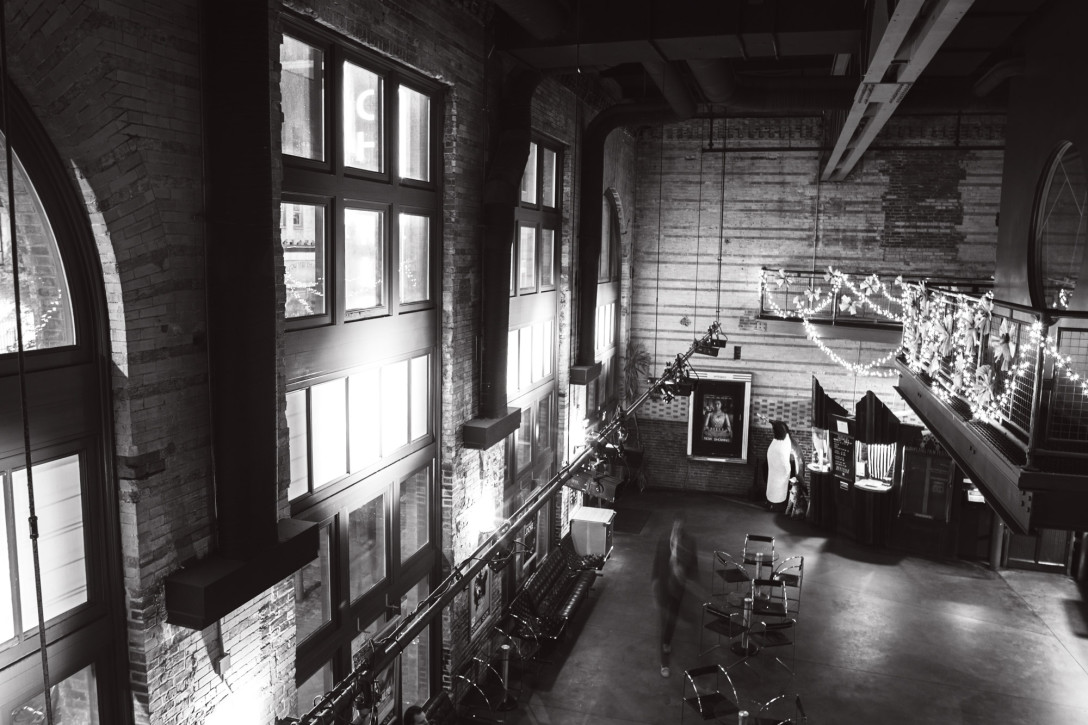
{"x": 512, "y": 362}
{"x": 421, "y": 408}
{"x": 314, "y": 687}
{"x": 415, "y": 660}
{"x": 75, "y": 702}
{"x": 366, "y": 546}
{"x": 394, "y": 406}
{"x": 538, "y": 352}
{"x": 544, "y": 424}
{"x": 7, "y": 615}
{"x": 330, "y": 438}
{"x": 302, "y": 234}
{"x": 604, "y": 262}
{"x": 302, "y": 86}
{"x": 547, "y": 163}
{"x": 362, "y": 118}
{"x": 46, "y": 305}
{"x": 527, "y": 258}
{"x": 365, "y": 255}
{"x": 413, "y": 513}
{"x": 365, "y": 424}
{"x": 523, "y": 439}
{"x": 58, "y": 503}
{"x": 313, "y": 604}
{"x": 415, "y": 135}
{"x": 296, "y": 424}
{"x": 528, "y": 179}
{"x": 415, "y": 258}
{"x": 525, "y": 358}
{"x": 547, "y": 258}
{"x": 548, "y": 347}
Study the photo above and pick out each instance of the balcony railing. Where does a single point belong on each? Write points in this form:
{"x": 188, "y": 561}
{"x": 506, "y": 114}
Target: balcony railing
{"x": 1018, "y": 371}
{"x": 853, "y": 299}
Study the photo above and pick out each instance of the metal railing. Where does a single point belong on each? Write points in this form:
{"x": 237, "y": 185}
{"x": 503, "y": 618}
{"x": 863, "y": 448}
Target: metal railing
{"x": 861, "y": 299}
{"x": 1017, "y": 369}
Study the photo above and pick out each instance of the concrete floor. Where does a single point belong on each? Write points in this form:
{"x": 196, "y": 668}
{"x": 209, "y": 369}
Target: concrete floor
{"x": 882, "y": 637}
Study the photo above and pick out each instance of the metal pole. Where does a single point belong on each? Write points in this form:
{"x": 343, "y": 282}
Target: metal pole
{"x": 388, "y": 649}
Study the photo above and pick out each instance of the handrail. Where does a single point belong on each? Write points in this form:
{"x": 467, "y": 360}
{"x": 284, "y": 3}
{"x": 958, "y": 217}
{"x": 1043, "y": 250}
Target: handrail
{"x": 360, "y": 682}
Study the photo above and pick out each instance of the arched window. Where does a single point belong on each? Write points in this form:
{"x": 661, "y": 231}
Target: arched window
{"x": 52, "y": 395}
{"x": 1059, "y": 231}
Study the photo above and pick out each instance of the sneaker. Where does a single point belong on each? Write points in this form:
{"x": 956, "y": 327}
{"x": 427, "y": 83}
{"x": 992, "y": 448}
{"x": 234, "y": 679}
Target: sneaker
{"x": 664, "y": 671}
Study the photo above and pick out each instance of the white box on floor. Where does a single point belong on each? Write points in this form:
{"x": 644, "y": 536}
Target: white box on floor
{"x": 591, "y": 531}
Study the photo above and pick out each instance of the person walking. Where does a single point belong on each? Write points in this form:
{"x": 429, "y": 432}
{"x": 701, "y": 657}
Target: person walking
{"x": 675, "y": 562}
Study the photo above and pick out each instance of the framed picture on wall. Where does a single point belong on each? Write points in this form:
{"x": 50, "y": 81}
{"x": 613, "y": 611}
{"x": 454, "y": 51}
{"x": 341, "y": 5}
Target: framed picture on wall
{"x": 479, "y": 597}
{"x": 718, "y": 413}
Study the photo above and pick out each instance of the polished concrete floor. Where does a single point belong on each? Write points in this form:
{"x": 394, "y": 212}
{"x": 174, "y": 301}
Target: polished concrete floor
{"x": 882, "y": 637}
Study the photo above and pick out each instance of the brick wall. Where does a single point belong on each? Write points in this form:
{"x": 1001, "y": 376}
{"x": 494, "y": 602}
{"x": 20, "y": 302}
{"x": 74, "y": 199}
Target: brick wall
{"x": 922, "y": 202}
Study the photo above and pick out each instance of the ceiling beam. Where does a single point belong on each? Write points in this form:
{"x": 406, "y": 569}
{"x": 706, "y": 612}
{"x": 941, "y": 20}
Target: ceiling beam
{"x": 907, "y": 44}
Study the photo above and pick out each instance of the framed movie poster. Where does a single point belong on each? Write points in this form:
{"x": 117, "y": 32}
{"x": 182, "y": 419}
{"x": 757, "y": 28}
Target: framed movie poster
{"x": 718, "y": 412}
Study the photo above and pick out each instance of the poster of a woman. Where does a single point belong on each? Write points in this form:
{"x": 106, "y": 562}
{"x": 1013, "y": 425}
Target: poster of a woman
{"x": 718, "y": 416}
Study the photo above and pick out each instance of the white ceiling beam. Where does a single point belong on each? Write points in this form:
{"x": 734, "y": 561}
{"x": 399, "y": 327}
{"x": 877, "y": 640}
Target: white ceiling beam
{"x": 902, "y": 54}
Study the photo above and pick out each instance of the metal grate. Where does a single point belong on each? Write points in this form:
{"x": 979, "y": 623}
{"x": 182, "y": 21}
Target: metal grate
{"x": 1068, "y": 405}
{"x": 1018, "y": 411}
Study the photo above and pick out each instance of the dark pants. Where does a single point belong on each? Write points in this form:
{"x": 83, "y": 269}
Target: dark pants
{"x": 668, "y": 609}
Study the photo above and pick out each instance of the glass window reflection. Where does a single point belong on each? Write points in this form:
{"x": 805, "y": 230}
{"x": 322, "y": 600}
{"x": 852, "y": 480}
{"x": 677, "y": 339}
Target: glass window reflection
{"x": 366, "y": 546}
{"x": 364, "y": 244}
{"x": 363, "y": 104}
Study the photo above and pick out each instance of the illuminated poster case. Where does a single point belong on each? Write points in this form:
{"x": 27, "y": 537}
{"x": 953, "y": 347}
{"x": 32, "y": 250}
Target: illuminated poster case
{"x": 718, "y": 413}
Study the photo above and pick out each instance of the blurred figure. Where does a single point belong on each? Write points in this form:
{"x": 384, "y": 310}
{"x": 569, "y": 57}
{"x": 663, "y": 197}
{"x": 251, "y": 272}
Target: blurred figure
{"x": 675, "y": 562}
{"x": 415, "y": 716}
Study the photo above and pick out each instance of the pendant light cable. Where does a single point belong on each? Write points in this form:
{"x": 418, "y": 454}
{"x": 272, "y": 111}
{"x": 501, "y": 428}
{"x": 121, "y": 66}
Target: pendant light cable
{"x": 657, "y": 281}
{"x": 32, "y": 518}
{"x": 721, "y": 219}
{"x": 698, "y": 247}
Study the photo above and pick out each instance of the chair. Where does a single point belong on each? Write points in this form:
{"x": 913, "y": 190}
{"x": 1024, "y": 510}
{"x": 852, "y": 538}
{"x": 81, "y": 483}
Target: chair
{"x": 708, "y": 698}
{"x": 758, "y": 550}
{"x": 732, "y": 577}
{"x": 773, "y": 634}
{"x": 791, "y": 573}
{"x": 769, "y": 599}
{"x": 781, "y": 711}
{"x": 728, "y": 623}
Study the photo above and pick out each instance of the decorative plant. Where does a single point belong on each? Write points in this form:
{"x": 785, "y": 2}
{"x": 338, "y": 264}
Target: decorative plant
{"x": 636, "y": 370}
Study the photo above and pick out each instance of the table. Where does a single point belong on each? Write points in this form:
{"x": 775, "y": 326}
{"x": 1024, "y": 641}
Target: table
{"x": 745, "y": 647}
{"x": 759, "y": 558}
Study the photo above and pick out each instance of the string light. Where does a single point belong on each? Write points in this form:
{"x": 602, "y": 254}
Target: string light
{"x": 814, "y": 301}
{"x": 939, "y": 328}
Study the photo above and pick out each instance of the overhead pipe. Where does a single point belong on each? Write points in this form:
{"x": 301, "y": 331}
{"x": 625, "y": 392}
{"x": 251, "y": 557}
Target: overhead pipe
{"x": 997, "y": 74}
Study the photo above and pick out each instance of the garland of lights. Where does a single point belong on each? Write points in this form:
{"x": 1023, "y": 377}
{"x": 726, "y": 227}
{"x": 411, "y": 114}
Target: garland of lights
{"x": 937, "y": 327}
{"x": 814, "y": 301}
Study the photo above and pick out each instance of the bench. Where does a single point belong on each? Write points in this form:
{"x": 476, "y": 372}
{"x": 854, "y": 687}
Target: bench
{"x": 549, "y": 598}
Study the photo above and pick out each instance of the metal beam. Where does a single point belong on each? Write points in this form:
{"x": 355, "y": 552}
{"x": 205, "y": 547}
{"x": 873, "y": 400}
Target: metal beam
{"x": 328, "y": 710}
{"x": 906, "y": 47}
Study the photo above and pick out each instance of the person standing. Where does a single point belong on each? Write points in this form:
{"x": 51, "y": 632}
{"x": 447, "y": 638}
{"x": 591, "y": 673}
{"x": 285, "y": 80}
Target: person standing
{"x": 675, "y": 562}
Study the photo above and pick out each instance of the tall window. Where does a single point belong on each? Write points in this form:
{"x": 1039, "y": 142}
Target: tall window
{"x": 531, "y": 352}
{"x": 360, "y": 230}
{"x": 78, "y": 553}
{"x": 603, "y": 392}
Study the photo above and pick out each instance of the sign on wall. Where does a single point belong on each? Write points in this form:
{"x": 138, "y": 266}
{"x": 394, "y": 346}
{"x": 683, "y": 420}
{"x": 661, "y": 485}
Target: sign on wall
{"x": 718, "y": 413}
